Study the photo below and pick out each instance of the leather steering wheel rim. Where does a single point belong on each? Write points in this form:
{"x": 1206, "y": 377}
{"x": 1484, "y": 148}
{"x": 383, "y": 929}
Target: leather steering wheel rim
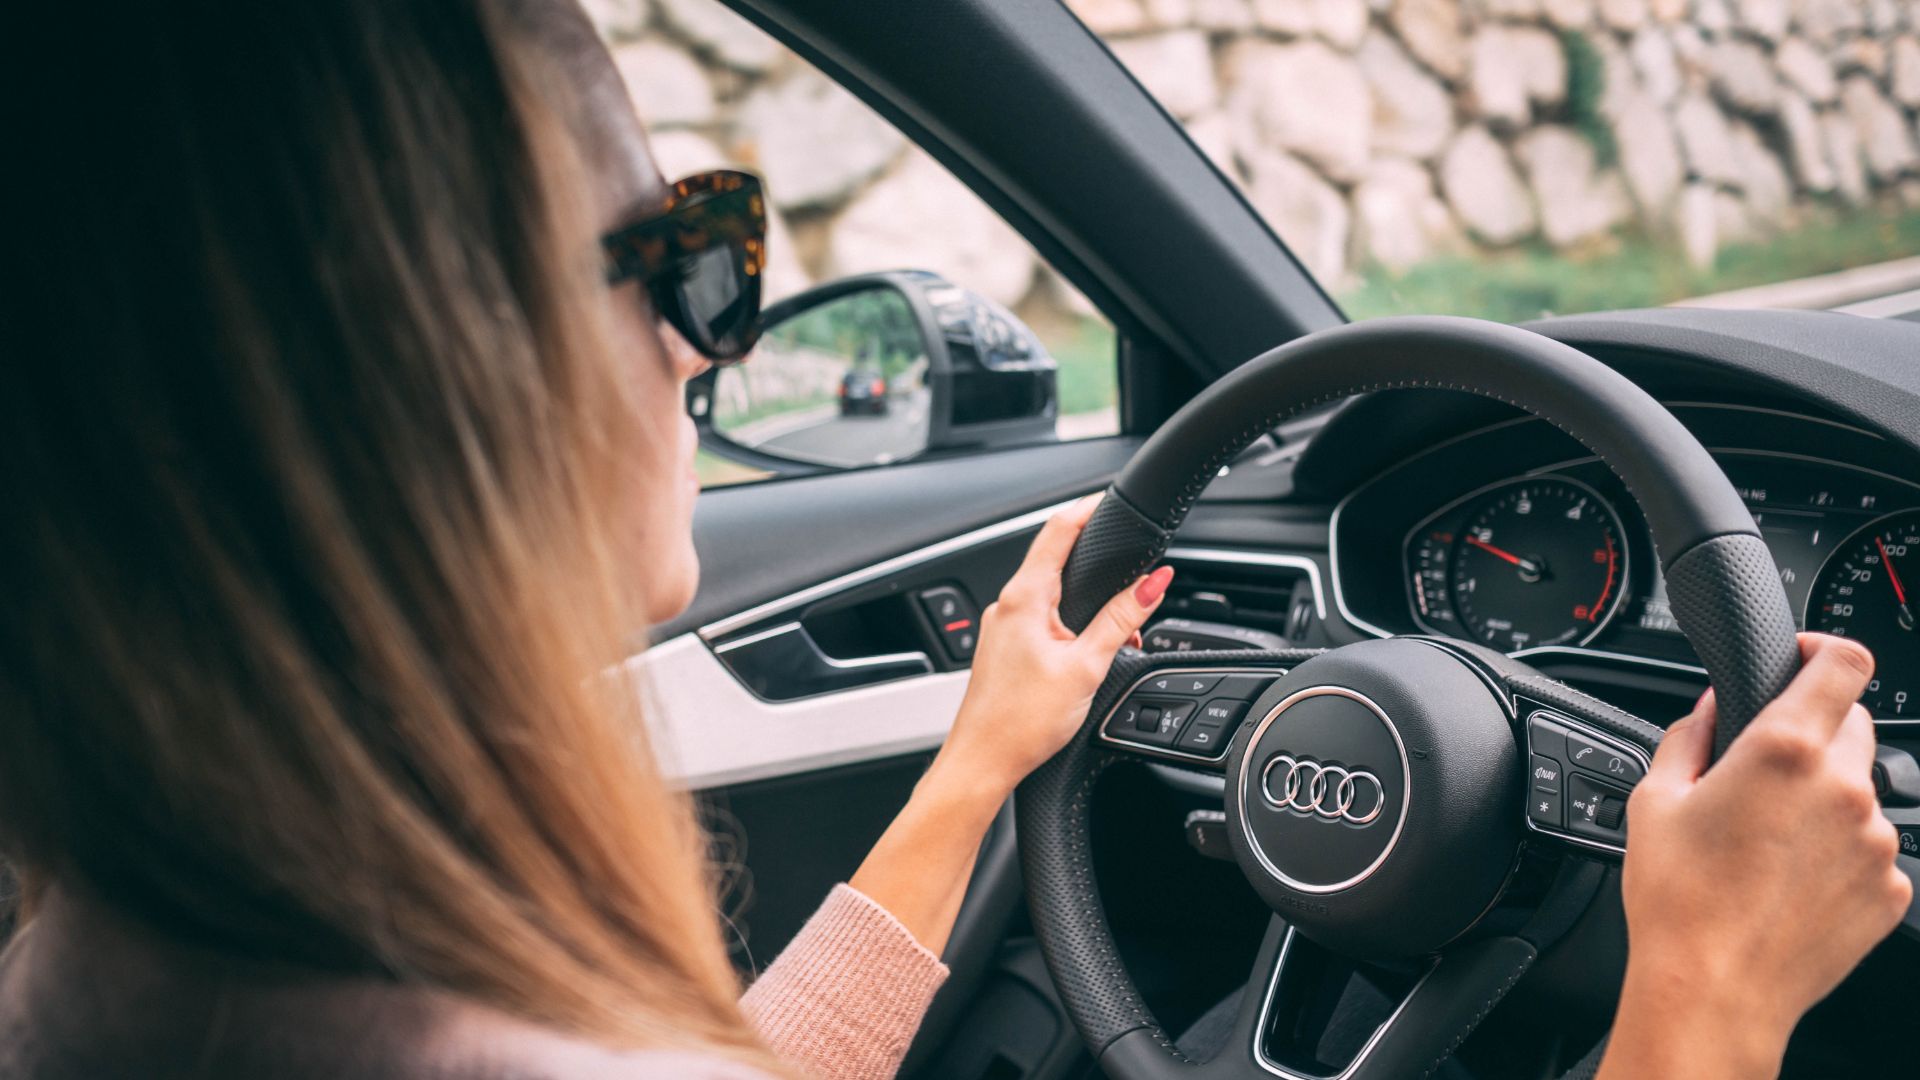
{"x": 1725, "y": 590}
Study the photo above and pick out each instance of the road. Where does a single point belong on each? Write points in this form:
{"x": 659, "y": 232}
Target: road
{"x": 1878, "y": 290}
{"x": 826, "y": 437}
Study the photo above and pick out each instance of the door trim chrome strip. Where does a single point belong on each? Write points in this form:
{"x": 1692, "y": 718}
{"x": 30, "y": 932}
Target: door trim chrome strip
{"x": 1031, "y": 520}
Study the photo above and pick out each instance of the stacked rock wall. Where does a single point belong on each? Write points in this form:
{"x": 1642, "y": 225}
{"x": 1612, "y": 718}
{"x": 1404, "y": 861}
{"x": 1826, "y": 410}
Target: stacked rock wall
{"x": 1369, "y": 132}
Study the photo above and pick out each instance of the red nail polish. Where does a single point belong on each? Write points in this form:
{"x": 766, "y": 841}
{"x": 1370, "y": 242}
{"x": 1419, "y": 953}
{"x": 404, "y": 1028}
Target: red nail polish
{"x": 1149, "y": 591}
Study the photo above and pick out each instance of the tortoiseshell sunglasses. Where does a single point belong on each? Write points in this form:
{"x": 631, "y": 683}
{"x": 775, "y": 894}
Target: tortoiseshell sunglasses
{"x": 700, "y": 258}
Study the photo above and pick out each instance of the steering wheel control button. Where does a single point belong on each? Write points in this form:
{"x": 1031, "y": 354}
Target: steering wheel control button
{"x": 1545, "y": 775}
{"x": 1224, "y": 711}
{"x": 1181, "y": 684}
{"x": 1896, "y": 777}
{"x": 1594, "y": 757}
{"x": 1146, "y": 718}
{"x": 954, "y": 618}
{"x": 1909, "y": 840}
{"x": 1205, "y": 737}
{"x": 1543, "y": 807}
{"x": 1546, "y": 738}
{"x": 1170, "y": 716}
{"x": 1245, "y": 687}
{"x": 1596, "y": 809}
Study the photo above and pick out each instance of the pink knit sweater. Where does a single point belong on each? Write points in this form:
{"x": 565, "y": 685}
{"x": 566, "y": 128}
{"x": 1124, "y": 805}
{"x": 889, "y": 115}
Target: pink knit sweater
{"x": 83, "y": 994}
{"x": 845, "y": 998}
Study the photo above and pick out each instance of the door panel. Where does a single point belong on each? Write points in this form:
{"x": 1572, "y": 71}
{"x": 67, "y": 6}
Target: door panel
{"x": 797, "y": 790}
{"x": 761, "y": 542}
{"x": 709, "y": 730}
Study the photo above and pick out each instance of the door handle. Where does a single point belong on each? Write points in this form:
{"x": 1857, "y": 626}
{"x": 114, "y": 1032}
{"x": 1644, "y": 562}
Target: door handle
{"x": 785, "y": 663}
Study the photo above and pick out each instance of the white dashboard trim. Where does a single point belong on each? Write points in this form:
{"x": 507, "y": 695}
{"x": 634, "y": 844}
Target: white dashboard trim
{"x": 1603, "y": 654}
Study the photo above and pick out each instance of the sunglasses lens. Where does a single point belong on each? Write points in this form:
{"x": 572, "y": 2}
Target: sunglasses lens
{"x": 715, "y": 299}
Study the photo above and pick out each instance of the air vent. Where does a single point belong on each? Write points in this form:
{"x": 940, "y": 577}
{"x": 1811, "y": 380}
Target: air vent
{"x": 1277, "y": 599}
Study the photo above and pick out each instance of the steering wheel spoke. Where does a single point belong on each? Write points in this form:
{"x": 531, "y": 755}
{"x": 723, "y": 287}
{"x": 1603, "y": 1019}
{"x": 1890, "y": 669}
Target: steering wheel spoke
{"x": 1386, "y": 1023}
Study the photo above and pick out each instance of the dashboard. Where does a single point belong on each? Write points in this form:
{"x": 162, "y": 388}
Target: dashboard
{"x": 1432, "y": 511}
{"x": 1513, "y": 536}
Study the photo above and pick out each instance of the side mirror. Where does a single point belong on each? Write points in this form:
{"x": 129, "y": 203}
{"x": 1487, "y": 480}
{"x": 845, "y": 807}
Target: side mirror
{"x": 879, "y": 368}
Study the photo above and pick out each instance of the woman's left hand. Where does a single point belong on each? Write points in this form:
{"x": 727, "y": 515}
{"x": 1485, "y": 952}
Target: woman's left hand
{"x": 1034, "y": 679}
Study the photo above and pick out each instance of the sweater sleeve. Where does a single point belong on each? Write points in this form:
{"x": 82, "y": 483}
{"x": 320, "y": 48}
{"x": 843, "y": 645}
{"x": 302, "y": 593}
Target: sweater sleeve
{"x": 843, "y": 1001}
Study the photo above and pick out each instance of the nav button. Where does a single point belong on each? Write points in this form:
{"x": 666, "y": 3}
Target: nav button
{"x": 1545, "y": 774}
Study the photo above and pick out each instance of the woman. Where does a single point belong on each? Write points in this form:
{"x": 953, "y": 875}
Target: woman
{"x": 337, "y": 469}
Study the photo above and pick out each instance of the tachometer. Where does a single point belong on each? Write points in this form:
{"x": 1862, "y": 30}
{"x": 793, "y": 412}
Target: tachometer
{"x": 1864, "y": 591}
{"x": 1538, "y": 561}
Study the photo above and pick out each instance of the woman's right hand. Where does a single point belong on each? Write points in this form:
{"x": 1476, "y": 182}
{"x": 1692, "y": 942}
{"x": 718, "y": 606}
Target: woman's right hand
{"x": 1753, "y": 888}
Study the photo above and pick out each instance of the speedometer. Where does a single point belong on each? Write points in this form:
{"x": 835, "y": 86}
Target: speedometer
{"x": 1863, "y": 592}
{"x": 1531, "y": 562}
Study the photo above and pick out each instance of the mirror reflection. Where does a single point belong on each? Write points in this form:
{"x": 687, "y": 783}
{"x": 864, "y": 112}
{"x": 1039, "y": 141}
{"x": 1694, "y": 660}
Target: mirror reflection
{"x": 843, "y": 383}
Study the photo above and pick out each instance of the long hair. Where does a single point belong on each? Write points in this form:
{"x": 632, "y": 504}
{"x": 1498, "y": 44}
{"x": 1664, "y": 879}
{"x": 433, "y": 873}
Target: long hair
{"x": 315, "y": 463}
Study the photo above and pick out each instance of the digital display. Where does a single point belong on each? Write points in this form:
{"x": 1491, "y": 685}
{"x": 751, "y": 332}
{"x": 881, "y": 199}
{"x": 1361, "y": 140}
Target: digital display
{"x": 1804, "y": 509}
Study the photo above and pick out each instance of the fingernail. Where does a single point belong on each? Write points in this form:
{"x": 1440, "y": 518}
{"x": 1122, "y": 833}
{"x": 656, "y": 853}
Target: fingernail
{"x": 1153, "y": 586}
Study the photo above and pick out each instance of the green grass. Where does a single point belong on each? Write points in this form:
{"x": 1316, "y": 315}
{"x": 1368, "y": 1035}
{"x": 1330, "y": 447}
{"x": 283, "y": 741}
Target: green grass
{"x": 1633, "y": 271}
{"x": 716, "y": 471}
{"x": 1089, "y": 375}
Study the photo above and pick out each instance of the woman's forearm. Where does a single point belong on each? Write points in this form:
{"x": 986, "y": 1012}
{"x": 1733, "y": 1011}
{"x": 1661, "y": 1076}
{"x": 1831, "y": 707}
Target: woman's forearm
{"x": 1666, "y": 1027}
{"x": 920, "y": 867}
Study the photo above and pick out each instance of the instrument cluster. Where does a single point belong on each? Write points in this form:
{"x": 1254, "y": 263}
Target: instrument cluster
{"x": 1549, "y": 555}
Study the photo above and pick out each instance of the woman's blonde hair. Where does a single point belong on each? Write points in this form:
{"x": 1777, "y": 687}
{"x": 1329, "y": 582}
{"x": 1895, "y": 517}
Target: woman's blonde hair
{"x": 315, "y": 463}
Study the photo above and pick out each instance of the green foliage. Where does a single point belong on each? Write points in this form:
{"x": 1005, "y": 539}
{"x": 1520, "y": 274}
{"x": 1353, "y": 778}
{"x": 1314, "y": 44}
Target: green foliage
{"x": 1639, "y": 272}
{"x": 1586, "y": 87}
{"x": 874, "y": 328}
{"x": 1089, "y": 375}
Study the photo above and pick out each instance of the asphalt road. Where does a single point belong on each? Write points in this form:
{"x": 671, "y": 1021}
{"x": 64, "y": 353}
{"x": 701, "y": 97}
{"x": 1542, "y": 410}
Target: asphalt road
{"x": 862, "y": 439}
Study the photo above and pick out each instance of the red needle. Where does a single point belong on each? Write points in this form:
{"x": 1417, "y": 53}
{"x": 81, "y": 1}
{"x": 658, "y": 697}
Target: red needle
{"x": 1899, "y": 590}
{"x": 1491, "y": 550}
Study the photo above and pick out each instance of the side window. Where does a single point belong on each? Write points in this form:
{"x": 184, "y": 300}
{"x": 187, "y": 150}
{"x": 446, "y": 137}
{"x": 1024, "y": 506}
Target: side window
{"x": 1509, "y": 159}
{"x": 905, "y": 317}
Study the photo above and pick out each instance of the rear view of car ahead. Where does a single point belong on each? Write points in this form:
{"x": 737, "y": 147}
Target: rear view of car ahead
{"x": 863, "y": 390}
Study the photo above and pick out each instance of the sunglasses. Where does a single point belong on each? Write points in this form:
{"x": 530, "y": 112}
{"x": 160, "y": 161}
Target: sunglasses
{"x": 700, "y": 258}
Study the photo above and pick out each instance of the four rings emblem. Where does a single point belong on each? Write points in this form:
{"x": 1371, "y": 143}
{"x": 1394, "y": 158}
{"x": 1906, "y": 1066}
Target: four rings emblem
{"x": 1333, "y": 792}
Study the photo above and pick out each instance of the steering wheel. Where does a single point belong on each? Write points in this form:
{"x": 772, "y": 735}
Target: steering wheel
{"x": 1418, "y": 803}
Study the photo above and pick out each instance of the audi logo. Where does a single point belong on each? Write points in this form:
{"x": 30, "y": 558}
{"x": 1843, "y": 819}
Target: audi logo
{"x": 1327, "y": 791}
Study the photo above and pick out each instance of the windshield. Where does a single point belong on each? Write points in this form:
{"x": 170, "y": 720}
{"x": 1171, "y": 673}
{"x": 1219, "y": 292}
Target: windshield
{"x": 1517, "y": 158}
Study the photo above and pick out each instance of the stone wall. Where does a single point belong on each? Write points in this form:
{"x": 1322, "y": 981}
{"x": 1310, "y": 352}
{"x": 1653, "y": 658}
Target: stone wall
{"x": 850, "y": 194}
{"x": 1371, "y": 133}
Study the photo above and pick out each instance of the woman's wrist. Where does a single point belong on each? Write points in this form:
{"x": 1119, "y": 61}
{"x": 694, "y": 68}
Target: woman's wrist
{"x": 961, "y": 779}
{"x": 1670, "y": 1023}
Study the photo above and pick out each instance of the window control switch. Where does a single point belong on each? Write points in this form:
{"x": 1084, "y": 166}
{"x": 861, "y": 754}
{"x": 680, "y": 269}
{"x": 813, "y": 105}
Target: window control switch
{"x": 954, "y": 618}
